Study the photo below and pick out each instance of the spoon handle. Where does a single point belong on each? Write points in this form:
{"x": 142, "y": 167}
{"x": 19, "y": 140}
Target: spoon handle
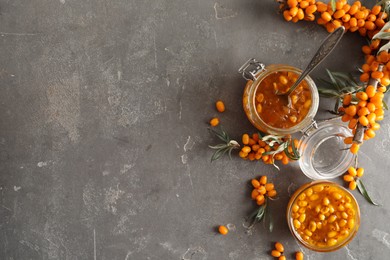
{"x": 326, "y": 47}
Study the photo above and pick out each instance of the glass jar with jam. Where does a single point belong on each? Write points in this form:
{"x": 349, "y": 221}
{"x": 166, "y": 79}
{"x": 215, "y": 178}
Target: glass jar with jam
{"x": 324, "y": 155}
{"x": 323, "y": 216}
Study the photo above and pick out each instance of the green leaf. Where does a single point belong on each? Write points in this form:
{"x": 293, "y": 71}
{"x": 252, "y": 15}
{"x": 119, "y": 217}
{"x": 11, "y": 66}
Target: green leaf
{"x": 218, "y": 146}
{"x": 364, "y": 192}
{"x": 384, "y": 47}
{"x": 382, "y": 36}
{"x": 385, "y": 105}
{"x": 333, "y": 5}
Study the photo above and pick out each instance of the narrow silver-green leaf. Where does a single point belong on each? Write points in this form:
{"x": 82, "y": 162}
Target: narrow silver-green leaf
{"x": 385, "y": 105}
{"x": 382, "y": 36}
{"x": 385, "y": 47}
{"x": 333, "y": 5}
{"x": 364, "y": 192}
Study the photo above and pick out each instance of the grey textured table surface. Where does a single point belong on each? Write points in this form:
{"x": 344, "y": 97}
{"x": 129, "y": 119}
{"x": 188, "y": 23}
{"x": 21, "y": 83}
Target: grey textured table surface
{"x": 103, "y": 130}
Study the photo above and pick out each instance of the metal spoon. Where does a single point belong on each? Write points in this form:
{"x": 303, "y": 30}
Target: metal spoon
{"x": 326, "y": 47}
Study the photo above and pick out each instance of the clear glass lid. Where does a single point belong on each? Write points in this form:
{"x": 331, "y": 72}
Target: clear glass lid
{"x": 324, "y": 155}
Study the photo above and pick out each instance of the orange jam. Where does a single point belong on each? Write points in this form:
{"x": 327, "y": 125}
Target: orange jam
{"x": 273, "y": 109}
{"x": 324, "y": 216}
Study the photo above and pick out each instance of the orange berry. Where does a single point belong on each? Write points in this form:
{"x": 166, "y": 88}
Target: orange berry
{"x": 371, "y": 107}
{"x": 362, "y": 103}
{"x": 275, "y": 253}
{"x": 376, "y": 9}
{"x": 339, "y": 13}
{"x": 223, "y": 230}
{"x": 370, "y": 133}
{"x": 352, "y": 171}
{"x": 346, "y": 118}
{"x": 383, "y": 88}
{"x": 364, "y": 77}
{"x": 354, "y": 8}
{"x": 375, "y": 126}
{"x": 245, "y": 139}
{"x": 377, "y": 74}
{"x": 321, "y": 7}
{"x": 294, "y": 11}
{"x": 347, "y": 99}
{"x": 353, "y": 22}
{"x": 362, "y": 31}
{"x": 371, "y": 17}
{"x": 282, "y": 257}
{"x": 369, "y": 25}
{"x": 214, "y": 121}
{"x": 351, "y": 110}
{"x": 375, "y": 44}
{"x": 352, "y": 123}
{"x": 379, "y": 22}
{"x": 303, "y": 4}
{"x": 255, "y": 183}
{"x": 262, "y": 190}
{"x": 263, "y": 180}
{"x": 260, "y": 198}
{"x": 326, "y": 16}
{"x": 285, "y": 160}
{"x": 366, "y": 49}
{"x": 299, "y": 255}
{"x": 242, "y": 154}
{"x": 292, "y": 3}
{"x": 359, "y": 172}
{"x": 271, "y": 193}
{"x": 362, "y": 95}
{"x": 348, "y": 178}
{"x": 220, "y": 106}
{"x": 346, "y": 18}
{"x": 359, "y": 15}
{"x": 363, "y": 120}
{"x": 246, "y": 149}
{"x": 354, "y": 148}
{"x": 279, "y": 247}
{"x": 254, "y": 194}
{"x": 311, "y": 9}
{"x": 300, "y": 14}
{"x": 269, "y": 186}
{"x": 352, "y": 185}
{"x": 330, "y": 27}
{"x": 287, "y": 16}
{"x": 363, "y": 111}
{"x": 370, "y": 90}
{"x": 371, "y": 118}
{"x": 348, "y": 140}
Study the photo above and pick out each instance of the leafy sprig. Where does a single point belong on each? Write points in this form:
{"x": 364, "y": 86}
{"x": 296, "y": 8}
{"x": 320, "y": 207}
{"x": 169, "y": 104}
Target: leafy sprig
{"x": 227, "y": 146}
{"x": 363, "y": 191}
{"x": 262, "y": 213}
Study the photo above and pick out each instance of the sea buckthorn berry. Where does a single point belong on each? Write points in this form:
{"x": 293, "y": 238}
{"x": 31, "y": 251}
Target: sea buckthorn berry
{"x": 246, "y": 149}
{"x": 339, "y": 13}
{"x": 254, "y": 194}
{"x": 282, "y": 257}
{"x": 262, "y": 190}
{"x": 271, "y": 193}
{"x": 311, "y": 9}
{"x": 362, "y": 103}
{"x": 346, "y": 118}
{"x": 363, "y": 120}
{"x": 269, "y": 186}
{"x": 365, "y": 67}
{"x": 366, "y": 49}
{"x": 376, "y": 9}
{"x": 303, "y": 4}
{"x": 326, "y": 16}
{"x": 220, "y": 106}
{"x": 354, "y": 8}
{"x": 359, "y": 172}
{"x": 347, "y": 99}
{"x": 352, "y": 171}
{"x": 379, "y": 22}
{"x": 351, "y": 110}
{"x": 359, "y": 15}
{"x": 294, "y": 11}
{"x": 292, "y": 3}
{"x": 287, "y": 16}
{"x": 371, "y": 17}
{"x": 354, "y": 148}
{"x": 383, "y": 88}
{"x": 346, "y": 18}
{"x": 375, "y": 126}
{"x": 299, "y": 255}
{"x": 362, "y": 95}
{"x": 348, "y": 178}
{"x": 371, "y": 118}
{"x": 275, "y": 253}
{"x": 370, "y": 90}
{"x": 352, "y": 123}
{"x": 223, "y": 230}
{"x": 321, "y": 7}
{"x": 369, "y": 25}
{"x": 377, "y": 74}
{"x": 263, "y": 180}
{"x": 279, "y": 247}
{"x": 255, "y": 183}
{"x": 245, "y": 139}
{"x": 370, "y": 133}
{"x": 352, "y": 185}
{"x": 214, "y": 121}
{"x": 242, "y": 154}
{"x": 364, "y": 77}
{"x": 348, "y": 140}
{"x": 353, "y": 22}
{"x": 383, "y": 57}
{"x": 363, "y": 111}
{"x": 371, "y": 107}
{"x": 300, "y": 14}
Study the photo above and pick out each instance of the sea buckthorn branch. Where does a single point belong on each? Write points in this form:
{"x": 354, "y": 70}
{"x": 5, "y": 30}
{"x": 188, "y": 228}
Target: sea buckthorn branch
{"x": 263, "y": 191}
{"x": 269, "y": 148}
